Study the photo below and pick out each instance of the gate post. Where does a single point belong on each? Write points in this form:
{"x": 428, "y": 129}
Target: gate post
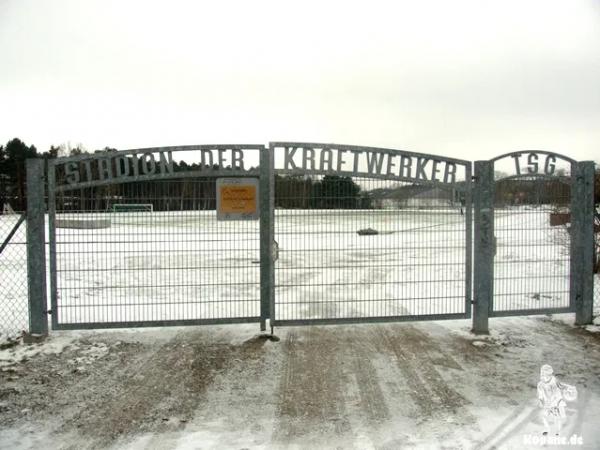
{"x": 484, "y": 245}
{"x": 36, "y": 247}
{"x": 582, "y": 242}
{"x": 267, "y": 234}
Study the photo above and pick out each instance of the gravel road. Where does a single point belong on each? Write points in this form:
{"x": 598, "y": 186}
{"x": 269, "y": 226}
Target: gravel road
{"x": 382, "y": 386}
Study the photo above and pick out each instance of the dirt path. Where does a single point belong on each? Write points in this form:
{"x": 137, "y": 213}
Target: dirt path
{"x": 367, "y": 386}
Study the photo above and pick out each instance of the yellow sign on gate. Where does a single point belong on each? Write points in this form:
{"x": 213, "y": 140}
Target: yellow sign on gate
{"x": 237, "y": 199}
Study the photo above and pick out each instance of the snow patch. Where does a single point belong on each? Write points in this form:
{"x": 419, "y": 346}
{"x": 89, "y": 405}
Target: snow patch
{"x": 7, "y": 341}
{"x": 53, "y": 345}
{"x": 211, "y": 435}
{"x": 15, "y": 439}
{"x": 90, "y": 354}
{"x": 494, "y": 338}
{"x": 593, "y": 328}
{"x": 569, "y": 319}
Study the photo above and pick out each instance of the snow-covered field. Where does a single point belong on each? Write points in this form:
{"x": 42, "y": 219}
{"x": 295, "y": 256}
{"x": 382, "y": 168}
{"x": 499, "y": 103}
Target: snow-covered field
{"x": 414, "y": 266}
{"x": 186, "y": 265}
{"x": 532, "y": 265}
{"x": 151, "y": 266}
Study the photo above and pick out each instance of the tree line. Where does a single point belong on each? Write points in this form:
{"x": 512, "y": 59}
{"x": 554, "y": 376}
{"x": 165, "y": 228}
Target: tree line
{"x": 328, "y": 192}
{"x": 515, "y": 191}
{"x": 198, "y": 193}
{"x": 13, "y": 183}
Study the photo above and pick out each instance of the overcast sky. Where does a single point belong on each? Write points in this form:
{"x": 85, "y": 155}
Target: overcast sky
{"x": 466, "y": 79}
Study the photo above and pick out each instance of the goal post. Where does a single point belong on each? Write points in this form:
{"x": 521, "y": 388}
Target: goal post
{"x": 132, "y": 207}
{"x": 6, "y": 209}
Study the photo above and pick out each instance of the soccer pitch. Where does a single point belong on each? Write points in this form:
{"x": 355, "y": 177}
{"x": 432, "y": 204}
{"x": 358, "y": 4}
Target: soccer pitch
{"x": 186, "y": 265}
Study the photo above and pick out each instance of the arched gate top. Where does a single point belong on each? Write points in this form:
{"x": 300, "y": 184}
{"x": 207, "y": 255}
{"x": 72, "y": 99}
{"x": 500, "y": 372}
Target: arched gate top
{"x": 536, "y": 164}
{"x": 309, "y": 158}
{"x": 542, "y": 152}
{"x": 227, "y": 160}
{"x": 154, "y": 163}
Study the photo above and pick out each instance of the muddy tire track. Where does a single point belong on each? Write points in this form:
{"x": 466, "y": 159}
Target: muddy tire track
{"x": 157, "y": 391}
{"x": 372, "y": 401}
{"x": 431, "y": 394}
{"x": 148, "y": 390}
{"x": 310, "y": 391}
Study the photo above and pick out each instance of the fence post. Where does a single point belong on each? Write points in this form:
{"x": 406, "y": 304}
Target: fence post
{"x": 469, "y": 239}
{"x": 582, "y": 242}
{"x": 267, "y": 234}
{"x": 36, "y": 247}
{"x": 483, "y": 277}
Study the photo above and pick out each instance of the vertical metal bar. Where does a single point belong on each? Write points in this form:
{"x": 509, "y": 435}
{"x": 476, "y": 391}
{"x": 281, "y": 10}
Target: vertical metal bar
{"x": 52, "y": 241}
{"x": 36, "y": 247}
{"x": 575, "y": 239}
{"x": 271, "y": 271}
{"x": 582, "y": 247}
{"x": 469, "y": 240}
{"x": 266, "y": 236}
{"x": 484, "y": 245}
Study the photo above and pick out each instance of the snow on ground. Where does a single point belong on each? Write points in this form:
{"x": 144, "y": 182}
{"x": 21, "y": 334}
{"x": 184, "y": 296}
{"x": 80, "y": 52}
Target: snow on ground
{"x": 404, "y": 385}
{"x": 14, "y": 353}
{"x": 595, "y": 327}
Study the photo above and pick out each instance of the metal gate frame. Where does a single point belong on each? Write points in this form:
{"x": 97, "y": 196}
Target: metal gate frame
{"x": 581, "y": 244}
{"x": 159, "y": 173}
{"x": 479, "y": 245}
{"x": 291, "y": 169}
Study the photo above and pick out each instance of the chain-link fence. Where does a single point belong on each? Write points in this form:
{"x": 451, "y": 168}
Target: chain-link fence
{"x": 13, "y": 275}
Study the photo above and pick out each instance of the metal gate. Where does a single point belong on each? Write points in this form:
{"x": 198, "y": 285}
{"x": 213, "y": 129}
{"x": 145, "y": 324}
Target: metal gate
{"x": 345, "y": 234}
{"x": 532, "y": 223}
{"x": 135, "y": 241}
{"x": 369, "y": 234}
{"x": 533, "y": 236}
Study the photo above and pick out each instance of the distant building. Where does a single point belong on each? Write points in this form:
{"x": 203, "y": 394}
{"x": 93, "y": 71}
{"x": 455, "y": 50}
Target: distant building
{"x": 415, "y": 196}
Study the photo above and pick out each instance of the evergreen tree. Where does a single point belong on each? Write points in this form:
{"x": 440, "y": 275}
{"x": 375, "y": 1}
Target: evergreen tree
{"x": 12, "y": 167}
